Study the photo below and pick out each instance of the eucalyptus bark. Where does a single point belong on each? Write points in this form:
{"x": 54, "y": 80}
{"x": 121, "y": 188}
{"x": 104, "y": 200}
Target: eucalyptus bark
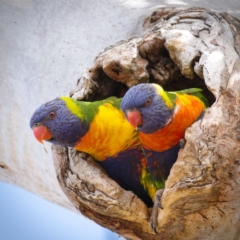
{"x": 178, "y": 48}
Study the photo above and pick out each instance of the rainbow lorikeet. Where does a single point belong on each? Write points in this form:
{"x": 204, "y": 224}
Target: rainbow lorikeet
{"x": 100, "y": 129}
{"x": 161, "y": 118}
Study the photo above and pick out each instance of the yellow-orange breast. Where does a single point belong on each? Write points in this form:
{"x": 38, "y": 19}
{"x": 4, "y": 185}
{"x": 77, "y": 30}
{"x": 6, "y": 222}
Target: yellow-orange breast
{"x": 109, "y": 134}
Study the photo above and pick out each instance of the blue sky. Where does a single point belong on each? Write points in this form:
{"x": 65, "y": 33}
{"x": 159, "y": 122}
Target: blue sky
{"x": 25, "y": 216}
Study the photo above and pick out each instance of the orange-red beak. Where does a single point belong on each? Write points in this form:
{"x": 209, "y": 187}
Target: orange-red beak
{"x": 42, "y": 133}
{"x": 134, "y": 117}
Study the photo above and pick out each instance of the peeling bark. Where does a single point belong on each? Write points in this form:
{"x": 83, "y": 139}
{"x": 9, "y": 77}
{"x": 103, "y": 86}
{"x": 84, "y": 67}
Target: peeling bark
{"x": 179, "y": 48}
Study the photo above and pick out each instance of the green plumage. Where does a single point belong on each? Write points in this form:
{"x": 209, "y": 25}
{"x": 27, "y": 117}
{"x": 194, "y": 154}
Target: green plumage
{"x": 197, "y": 92}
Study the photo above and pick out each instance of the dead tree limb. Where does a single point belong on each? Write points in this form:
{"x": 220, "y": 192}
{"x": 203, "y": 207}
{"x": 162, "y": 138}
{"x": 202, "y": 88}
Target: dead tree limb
{"x": 179, "y": 48}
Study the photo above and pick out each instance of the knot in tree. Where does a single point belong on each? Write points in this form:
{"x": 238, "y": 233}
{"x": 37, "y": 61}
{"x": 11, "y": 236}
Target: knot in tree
{"x": 178, "y": 48}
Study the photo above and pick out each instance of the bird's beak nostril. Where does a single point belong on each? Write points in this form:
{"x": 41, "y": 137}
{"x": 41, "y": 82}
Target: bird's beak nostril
{"x": 131, "y": 109}
{"x": 36, "y": 124}
{"x": 41, "y": 132}
{"x": 134, "y": 117}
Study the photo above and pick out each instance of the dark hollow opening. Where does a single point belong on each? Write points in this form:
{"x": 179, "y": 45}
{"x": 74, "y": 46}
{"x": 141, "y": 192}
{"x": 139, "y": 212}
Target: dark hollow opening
{"x": 161, "y": 69}
{"x": 185, "y": 83}
{"x": 106, "y": 87}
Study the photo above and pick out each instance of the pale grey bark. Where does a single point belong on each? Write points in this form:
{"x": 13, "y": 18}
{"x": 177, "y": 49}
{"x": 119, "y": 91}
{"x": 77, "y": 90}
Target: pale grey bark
{"x": 45, "y": 47}
{"x": 178, "y": 47}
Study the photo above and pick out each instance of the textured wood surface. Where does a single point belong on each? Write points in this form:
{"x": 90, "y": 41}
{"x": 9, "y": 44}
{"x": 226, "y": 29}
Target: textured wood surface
{"x": 177, "y": 48}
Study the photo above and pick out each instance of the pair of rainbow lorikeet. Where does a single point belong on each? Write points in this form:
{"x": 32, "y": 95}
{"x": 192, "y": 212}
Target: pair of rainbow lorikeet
{"x": 135, "y": 139}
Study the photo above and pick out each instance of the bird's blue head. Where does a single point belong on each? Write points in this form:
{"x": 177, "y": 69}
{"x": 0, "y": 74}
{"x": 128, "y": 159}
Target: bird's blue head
{"x": 55, "y": 123}
{"x": 145, "y": 107}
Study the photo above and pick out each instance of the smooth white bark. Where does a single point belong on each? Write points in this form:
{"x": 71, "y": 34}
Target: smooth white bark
{"x": 44, "y": 48}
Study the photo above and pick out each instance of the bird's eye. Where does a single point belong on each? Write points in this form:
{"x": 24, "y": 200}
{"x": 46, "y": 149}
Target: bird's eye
{"x": 148, "y": 102}
{"x": 52, "y": 115}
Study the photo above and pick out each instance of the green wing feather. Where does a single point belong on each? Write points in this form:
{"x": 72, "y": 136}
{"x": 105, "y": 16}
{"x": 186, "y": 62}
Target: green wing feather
{"x": 197, "y": 92}
{"x": 88, "y": 110}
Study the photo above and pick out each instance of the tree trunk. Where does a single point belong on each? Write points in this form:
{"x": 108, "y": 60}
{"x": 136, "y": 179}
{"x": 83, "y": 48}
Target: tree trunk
{"x": 178, "y": 48}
